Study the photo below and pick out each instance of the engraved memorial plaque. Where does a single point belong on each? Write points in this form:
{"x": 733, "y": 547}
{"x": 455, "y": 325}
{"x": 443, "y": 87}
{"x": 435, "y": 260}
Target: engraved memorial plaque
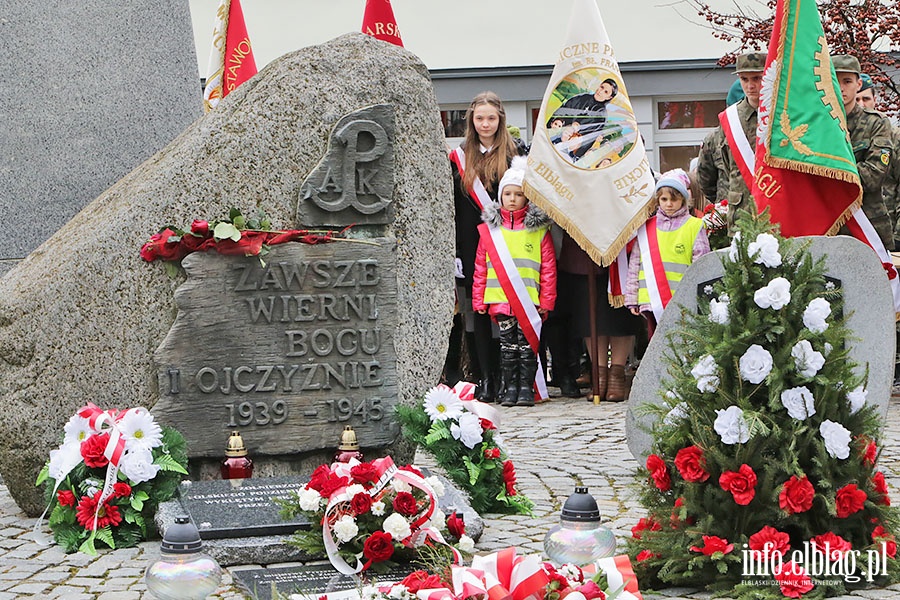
{"x": 310, "y": 581}
{"x": 287, "y": 353}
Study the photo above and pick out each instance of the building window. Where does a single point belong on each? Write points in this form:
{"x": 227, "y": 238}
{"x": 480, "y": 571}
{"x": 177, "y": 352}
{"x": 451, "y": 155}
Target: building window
{"x": 672, "y": 157}
{"x": 680, "y": 124}
{"x": 454, "y": 122}
{"x": 689, "y": 114}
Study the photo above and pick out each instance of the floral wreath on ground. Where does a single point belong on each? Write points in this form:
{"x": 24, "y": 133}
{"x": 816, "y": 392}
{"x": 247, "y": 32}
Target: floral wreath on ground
{"x": 461, "y": 433}
{"x": 765, "y": 448}
{"x": 374, "y": 516}
{"x": 109, "y": 475}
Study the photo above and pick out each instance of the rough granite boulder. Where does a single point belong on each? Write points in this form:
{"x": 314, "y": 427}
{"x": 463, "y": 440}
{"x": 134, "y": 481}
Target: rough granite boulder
{"x": 81, "y": 316}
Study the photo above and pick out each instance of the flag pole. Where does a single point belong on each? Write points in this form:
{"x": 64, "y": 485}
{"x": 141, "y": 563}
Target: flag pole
{"x": 594, "y": 355}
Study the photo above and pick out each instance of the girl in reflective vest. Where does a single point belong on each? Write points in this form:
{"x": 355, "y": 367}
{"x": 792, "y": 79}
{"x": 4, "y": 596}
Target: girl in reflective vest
{"x": 674, "y": 239}
{"x": 515, "y": 235}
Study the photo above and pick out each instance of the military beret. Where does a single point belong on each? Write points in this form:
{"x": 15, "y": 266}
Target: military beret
{"x": 845, "y": 63}
{"x": 867, "y": 83}
{"x": 752, "y": 62}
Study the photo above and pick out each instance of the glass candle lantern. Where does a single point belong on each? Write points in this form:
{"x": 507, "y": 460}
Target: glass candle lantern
{"x": 183, "y": 571}
{"x": 348, "y": 448}
{"x": 579, "y": 538}
{"x": 236, "y": 464}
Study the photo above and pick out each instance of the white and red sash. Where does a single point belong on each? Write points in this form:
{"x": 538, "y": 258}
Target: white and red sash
{"x": 517, "y": 295}
{"x": 654, "y": 270}
{"x": 861, "y": 228}
{"x": 743, "y": 152}
{"x": 479, "y": 195}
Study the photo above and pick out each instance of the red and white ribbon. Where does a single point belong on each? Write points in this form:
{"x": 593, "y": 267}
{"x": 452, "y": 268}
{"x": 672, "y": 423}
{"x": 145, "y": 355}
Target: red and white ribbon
{"x": 478, "y": 193}
{"x": 861, "y": 228}
{"x": 466, "y": 393}
{"x": 742, "y": 151}
{"x": 620, "y": 575}
{"x": 654, "y": 270}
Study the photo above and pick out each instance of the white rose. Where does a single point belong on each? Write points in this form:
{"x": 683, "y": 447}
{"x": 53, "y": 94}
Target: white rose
{"x": 718, "y": 312}
{"x": 345, "y": 529}
{"x": 436, "y": 485}
{"x": 815, "y": 314}
{"x": 799, "y": 402}
{"x": 397, "y": 526}
{"x": 807, "y": 360}
{"x": 466, "y": 544}
{"x": 678, "y": 413}
{"x": 857, "y": 399}
{"x": 733, "y": 248}
{"x": 837, "y": 439}
{"x": 309, "y": 499}
{"x": 775, "y": 295}
{"x": 765, "y": 249}
{"x": 468, "y": 430}
{"x": 705, "y": 373}
{"x": 755, "y": 364}
{"x": 731, "y": 426}
{"x": 138, "y": 465}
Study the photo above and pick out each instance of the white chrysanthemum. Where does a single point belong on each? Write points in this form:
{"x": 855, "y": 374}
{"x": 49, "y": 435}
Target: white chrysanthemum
{"x": 775, "y": 295}
{"x": 765, "y": 250}
{"x": 572, "y": 573}
{"x": 733, "y": 254}
{"x": 678, "y": 413}
{"x": 466, "y": 544}
{"x": 705, "y": 372}
{"x": 837, "y": 439}
{"x": 399, "y": 592}
{"x": 64, "y": 459}
{"x": 799, "y": 402}
{"x": 309, "y": 499}
{"x": 707, "y": 289}
{"x": 137, "y": 464}
{"x": 140, "y": 430}
{"x": 400, "y": 486}
{"x": 436, "y": 486}
{"x": 442, "y": 403}
{"x": 369, "y": 592}
{"x": 77, "y": 430}
{"x": 378, "y": 508}
{"x": 829, "y": 285}
{"x": 354, "y": 489}
{"x": 468, "y": 430}
{"x": 807, "y": 360}
{"x": 731, "y": 425}
{"x": 857, "y": 399}
{"x": 815, "y": 315}
{"x": 755, "y": 364}
{"x": 345, "y": 529}
{"x": 397, "y": 526}
{"x": 718, "y": 312}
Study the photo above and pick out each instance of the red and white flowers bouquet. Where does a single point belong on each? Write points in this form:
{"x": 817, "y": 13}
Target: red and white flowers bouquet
{"x": 107, "y": 478}
{"x": 373, "y": 515}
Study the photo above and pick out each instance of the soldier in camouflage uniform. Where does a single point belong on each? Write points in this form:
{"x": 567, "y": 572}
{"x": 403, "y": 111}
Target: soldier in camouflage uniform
{"x": 749, "y": 70}
{"x": 870, "y": 136}
{"x": 710, "y": 153}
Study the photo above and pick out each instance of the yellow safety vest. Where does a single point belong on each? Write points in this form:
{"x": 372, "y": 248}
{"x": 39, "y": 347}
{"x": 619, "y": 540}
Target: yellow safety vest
{"x": 676, "y": 249}
{"x": 525, "y": 248}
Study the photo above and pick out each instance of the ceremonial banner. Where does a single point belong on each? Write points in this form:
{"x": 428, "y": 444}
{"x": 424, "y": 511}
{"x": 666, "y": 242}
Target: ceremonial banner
{"x": 805, "y": 171}
{"x": 587, "y": 168}
{"x": 231, "y": 60}
{"x": 379, "y": 22}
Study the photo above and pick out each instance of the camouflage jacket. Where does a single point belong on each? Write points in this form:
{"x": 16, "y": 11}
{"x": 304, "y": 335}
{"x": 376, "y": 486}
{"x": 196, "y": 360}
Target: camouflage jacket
{"x": 890, "y": 189}
{"x": 713, "y": 182}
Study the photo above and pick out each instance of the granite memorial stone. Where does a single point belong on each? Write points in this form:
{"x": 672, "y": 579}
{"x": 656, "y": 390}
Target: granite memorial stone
{"x": 867, "y": 302}
{"x": 81, "y": 318}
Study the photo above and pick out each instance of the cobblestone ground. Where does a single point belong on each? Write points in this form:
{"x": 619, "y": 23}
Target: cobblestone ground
{"x": 556, "y": 446}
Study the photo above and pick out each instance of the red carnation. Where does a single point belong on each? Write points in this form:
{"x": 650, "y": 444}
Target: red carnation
{"x": 378, "y": 547}
{"x": 691, "y": 464}
{"x": 890, "y": 545}
{"x": 645, "y": 555}
{"x": 796, "y": 495}
{"x": 659, "y": 472}
{"x": 318, "y": 478}
{"x": 881, "y": 488}
{"x": 509, "y": 478}
{"x": 778, "y": 541}
{"x": 65, "y": 498}
{"x": 92, "y": 450}
{"x": 833, "y": 544}
{"x": 870, "y": 453}
{"x": 713, "y": 544}
{"x": 332, "y": 484}
{"x": 365, "y": 474}
{"x": 849, "y": 499}
{"x": 108, "y": 514}
{"x": 456, "y": 525}
{"x": 793, "y": 580}
{"x": 405, "y": 504}
{"x": 361, "y": 503}
{"x": 421, "y": 580}
{"x": 121, "y": 489}
{"x": 492, "y": 453}
{"x": 645, "y": 524}
{"x": 741, "y": 484}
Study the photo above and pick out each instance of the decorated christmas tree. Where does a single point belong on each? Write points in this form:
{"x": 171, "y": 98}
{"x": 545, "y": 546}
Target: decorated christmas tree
{"x": 762, "y": 481}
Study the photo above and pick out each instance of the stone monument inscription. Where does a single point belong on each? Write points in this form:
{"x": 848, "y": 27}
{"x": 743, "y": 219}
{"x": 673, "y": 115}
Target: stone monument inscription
{"x": 311, "y": 581}
{"x": 288, "y": 352}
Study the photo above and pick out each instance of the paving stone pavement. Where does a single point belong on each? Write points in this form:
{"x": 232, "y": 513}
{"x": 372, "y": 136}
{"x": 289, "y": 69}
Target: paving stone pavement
{"x": 555, "y": 446}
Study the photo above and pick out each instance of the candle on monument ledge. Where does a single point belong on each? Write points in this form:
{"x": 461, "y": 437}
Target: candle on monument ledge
{"x": 236, "y": 464}
{"x": 349, "y": 447}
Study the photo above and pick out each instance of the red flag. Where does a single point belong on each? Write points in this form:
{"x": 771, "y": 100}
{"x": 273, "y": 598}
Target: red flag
{"x": 379, "y": 22}
{"x": 231, "y": 61}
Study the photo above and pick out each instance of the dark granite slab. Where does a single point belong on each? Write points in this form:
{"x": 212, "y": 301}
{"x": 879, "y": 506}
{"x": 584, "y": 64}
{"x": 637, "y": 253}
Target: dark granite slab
{"x": 310, "y": 580}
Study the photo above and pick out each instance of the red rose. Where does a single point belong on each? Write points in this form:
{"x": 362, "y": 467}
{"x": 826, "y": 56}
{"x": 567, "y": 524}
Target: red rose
{"x": 797, "y": 495}
{"x": 881, "y": 488}
{"x": 332, "y": 484}
{"x": 361, "y": 503}
{"x": 675, "y": 518}
{"x": 793, "y": 580}
{"x": 412, "y": 470}
{"x": 65, "y": 498}
{"x": 190, "y": 242}
{"x": 645, "y": 555}
{"x": 168, "y": 247}
{"x": 591, "y": 590}
{"x": 691, "y": 464}
{"x": 890, "y": 545}
{"x": 741, "y": 484}
{"x": 92, "y": 450}
{"x": 108, "y": 514}
{"x": 509, "y": 478}
{"x": 778, "y": 541}
{"x": 200, "y": 227}
{"x": 644, "y": 524}
{"x": 487, "y": 425}
{"x": 421, "y": 580}
{"x": 659, "y": 472}
{"x": 832, "y": 545}
{"x": 713, "y": 544}
{"x": 250, "y": 244}
{"x": 492, "y": 453}
{"x": 849, "y": 499}
{"x": 121, "y": 489}
{"x": 870, "y": 453}
{"x": 405, "y": 504}
{"x": 378, "y": 547}
{"x": 365, "y": 474}
{"x": 318, "y": 477}
{"x": 456, "y": 525}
